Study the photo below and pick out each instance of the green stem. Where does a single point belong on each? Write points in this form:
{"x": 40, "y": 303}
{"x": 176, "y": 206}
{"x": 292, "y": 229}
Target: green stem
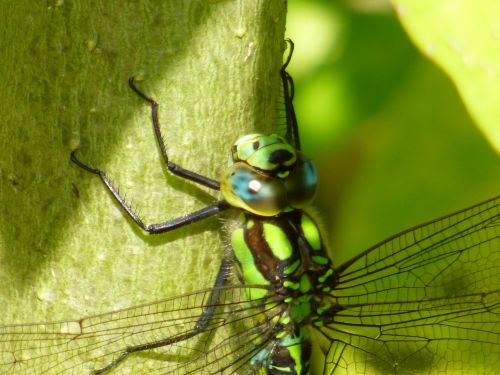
{"x": 66, "y": 248}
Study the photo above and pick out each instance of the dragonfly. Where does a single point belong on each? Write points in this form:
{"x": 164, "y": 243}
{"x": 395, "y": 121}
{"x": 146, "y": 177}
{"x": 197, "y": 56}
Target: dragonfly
{"x": 424, "y": 301}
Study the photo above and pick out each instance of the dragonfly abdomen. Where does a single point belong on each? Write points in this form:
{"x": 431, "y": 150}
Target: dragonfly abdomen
{"x": 289, "y": 354}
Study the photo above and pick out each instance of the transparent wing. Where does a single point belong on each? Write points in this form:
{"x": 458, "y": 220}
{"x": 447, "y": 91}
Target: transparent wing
{"x": 426, "y": 301}
{"x": 237, "y": 346}
{"x": 228, "y": 340}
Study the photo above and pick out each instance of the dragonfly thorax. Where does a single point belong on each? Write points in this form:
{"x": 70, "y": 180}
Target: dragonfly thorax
{"x": 267, "y": 176}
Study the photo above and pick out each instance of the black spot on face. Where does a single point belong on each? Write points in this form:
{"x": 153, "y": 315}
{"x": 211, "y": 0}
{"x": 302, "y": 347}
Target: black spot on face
{"x": 280, "y": 156}
{"x": 256, "y": 145}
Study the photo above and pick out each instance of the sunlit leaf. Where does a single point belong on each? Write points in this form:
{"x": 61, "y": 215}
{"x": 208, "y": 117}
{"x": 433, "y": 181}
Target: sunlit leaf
{"x": 463, "y": 37}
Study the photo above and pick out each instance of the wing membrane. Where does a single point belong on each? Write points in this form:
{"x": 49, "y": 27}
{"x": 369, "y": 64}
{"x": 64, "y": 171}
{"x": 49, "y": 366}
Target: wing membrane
{"x": 426, "y": 301}
{"x": 80, "y": 346}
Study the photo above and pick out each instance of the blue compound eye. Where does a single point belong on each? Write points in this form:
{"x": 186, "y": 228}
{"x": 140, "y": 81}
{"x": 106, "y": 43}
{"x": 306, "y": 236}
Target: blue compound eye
{"x": 244, "y": 187}
{"x": 301, "y": 184}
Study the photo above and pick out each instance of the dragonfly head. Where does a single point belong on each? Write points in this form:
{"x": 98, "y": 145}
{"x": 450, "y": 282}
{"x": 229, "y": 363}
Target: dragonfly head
{"x": 267, "y": 176}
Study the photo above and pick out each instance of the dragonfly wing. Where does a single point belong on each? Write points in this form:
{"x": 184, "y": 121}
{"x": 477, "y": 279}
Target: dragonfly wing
{"x": 81, "y": 346}
{"x": 233, "y": 346}
{"x": 426, "y": 301}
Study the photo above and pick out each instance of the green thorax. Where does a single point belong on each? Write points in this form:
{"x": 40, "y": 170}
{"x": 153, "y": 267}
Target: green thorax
{"x": 285, "y": 252}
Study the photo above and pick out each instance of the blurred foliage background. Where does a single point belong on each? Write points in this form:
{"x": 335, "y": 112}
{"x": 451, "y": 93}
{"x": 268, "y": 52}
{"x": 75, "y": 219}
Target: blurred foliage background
{"x": 394, "y": 143}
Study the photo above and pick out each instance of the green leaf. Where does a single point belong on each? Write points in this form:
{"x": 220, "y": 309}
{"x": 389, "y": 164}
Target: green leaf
{"x": 463, "y": 37}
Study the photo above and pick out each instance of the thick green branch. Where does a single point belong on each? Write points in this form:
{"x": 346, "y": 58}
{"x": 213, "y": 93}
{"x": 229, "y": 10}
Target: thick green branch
{"x": 67, "y": 250}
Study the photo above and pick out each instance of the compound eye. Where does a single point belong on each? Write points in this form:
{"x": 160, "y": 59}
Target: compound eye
{"x": 251, "y": 190}
{"x": 301, "y": 184}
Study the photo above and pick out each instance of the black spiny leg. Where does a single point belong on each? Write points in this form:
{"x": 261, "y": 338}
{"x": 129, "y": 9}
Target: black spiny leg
{"x": 208, "y": 211}
{"x": 201, "y": 324}
{"x": 292, "y": 132}
{"x": 165, "y": 226}
{"x": 172, "y": 167}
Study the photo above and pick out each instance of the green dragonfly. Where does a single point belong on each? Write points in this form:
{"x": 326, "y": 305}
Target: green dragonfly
{"x": 425, "y": 301}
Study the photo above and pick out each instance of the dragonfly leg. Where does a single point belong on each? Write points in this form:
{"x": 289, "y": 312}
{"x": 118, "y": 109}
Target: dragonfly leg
{"x": 222, "y": 275}
{"x": 172, "y": 167}
{"x": 165, "y": 226}
{"x": 202, "y": 322}
{"x": 292, "y": 133}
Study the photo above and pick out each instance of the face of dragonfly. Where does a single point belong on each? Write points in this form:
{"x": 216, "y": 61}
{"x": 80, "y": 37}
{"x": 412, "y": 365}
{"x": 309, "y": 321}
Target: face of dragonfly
{"x": 267, "y": 176}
